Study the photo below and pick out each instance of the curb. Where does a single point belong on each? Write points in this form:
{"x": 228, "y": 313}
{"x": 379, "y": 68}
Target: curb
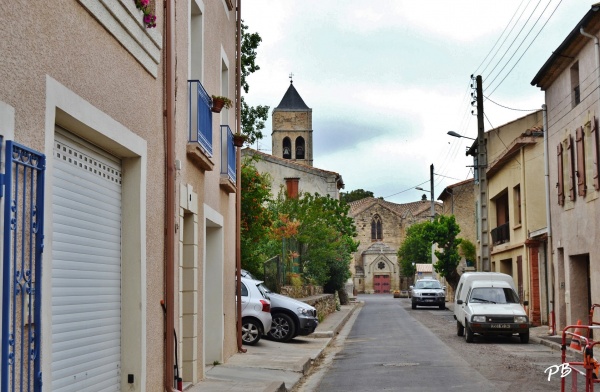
{"x": 336, "y": 330}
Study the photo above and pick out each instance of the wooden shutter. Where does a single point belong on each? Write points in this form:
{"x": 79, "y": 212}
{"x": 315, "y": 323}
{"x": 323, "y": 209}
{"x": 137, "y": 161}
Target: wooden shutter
{"x": 594, "y": 143}
{"x": 580, "y": 172}
{"x": 560, "y": 184}
{"x": 571, "y": 163}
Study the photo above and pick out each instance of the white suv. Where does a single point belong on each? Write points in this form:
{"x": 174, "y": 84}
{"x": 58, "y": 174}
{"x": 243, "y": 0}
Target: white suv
{"x": 256, "y": 311}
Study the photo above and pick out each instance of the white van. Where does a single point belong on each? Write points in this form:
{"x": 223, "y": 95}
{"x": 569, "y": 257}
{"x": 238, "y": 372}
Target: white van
{"x": 486, "y": 303}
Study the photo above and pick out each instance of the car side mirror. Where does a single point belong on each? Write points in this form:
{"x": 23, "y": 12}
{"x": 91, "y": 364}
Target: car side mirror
{"x": 410, "y": 287}
{"x": 459, "y": 301}
{"x": 525, "y": 303}
{"x": 444, "y": 288}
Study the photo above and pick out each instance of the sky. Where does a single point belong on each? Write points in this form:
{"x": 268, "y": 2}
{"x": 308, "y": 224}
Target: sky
{"x": 386, "y": 80}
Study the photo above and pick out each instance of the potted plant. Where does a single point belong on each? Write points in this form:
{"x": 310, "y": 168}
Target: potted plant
{"x": 220, "y": 102}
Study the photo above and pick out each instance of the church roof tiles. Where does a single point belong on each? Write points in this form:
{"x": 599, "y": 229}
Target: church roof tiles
{"x": 292, "y": 100}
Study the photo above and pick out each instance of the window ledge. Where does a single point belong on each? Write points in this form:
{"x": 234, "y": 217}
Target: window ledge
{"x": 197, "y": 155}
{"x": 227, "y": 185}
{"x": 518, "y": 226}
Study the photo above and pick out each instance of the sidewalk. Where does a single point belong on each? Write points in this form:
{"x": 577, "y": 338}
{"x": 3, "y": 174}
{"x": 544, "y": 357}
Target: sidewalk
{"x": 271, "y": 366}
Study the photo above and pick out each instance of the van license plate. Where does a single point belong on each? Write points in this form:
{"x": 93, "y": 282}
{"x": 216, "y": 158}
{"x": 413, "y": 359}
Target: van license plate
{"x": 500, "y": 325}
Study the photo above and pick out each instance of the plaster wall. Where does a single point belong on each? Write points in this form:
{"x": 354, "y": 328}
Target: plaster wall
{"x": 575, "y": 227}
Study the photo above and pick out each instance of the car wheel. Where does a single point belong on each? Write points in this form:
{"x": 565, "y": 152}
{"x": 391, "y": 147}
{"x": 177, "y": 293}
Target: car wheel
{"x": 251, "y": 331}
{"x": 460, "y": 330}
{"x": 468, "y": 334}
{"x": 442, "y": 307}
{"x": 524, "y": 337}
{"x": 283, "y": 328}
{"x": 414, "y": 305}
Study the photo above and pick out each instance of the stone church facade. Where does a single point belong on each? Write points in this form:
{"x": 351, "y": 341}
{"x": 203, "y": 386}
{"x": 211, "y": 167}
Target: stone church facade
{"x": 381, "y": 227}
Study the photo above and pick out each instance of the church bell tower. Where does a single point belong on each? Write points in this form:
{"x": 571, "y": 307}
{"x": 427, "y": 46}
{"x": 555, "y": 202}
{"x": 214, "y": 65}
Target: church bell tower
{"x": 292, "y": 128}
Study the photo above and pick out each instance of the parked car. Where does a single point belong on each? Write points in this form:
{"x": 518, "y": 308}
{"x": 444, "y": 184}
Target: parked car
{"x": 256, "y": 311}
{"x": 428, "y": 292}
{"x": 487, "y": 303}
{"x": 291, "y": 317}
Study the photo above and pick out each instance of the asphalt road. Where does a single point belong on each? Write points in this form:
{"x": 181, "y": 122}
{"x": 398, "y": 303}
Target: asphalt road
{"x": 387, "y": 346}
{"x": 389, "y": 350}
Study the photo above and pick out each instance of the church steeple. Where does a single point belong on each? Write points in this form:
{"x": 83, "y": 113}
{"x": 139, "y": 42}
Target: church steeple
{"x": 292, "y": 128}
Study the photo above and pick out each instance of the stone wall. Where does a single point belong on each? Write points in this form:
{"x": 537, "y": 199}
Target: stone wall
{"x": 302, "y": 291}
{"x": 325, "y": 304}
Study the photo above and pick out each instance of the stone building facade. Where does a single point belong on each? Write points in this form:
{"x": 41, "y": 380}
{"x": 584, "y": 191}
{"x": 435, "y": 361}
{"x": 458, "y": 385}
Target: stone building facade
{"x": 381, "y": 228}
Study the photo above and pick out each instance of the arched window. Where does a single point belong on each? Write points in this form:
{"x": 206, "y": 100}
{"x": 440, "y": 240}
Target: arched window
{"x": 299, "y": 147}
{"x": 376, "y": 229}
{"x": 287, "y": 148}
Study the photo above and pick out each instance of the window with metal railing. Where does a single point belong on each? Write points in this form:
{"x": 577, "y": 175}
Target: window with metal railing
{"x": 228, "y": 163}
{"x": 501, "y": 234}
{"x": 200, "y": 116}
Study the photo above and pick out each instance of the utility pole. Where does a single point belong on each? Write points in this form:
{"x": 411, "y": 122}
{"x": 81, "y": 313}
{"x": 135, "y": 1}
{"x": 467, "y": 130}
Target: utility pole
{"x": 432, "y": 194}
{"x": 484, "y": 250}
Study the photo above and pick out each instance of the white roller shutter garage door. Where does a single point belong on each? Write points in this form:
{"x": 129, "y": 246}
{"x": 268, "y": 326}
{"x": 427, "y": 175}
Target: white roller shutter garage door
{"x": 86, "y": 267}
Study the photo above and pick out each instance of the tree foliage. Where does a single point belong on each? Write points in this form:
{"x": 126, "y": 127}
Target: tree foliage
{"x": 256, "y": 219}
{"x": 467, "y": 250}
{"x": 354, "y": 195}
{"x": 444, "y": 233}
{"x": 416, "y": 248}
{"x": 252, "y": 118}
{"x": 417, "y": 244}
{"x": 325, "y": 237}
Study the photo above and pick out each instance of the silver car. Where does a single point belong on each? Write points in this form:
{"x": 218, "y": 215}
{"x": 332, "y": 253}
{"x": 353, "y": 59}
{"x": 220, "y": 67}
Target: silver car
{"x": 428, "y": 292}
{"x": 291, "y": 317}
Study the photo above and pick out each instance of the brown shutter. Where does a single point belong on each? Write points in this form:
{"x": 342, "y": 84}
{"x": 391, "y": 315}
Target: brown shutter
{"x": 571, "y": 163}
{"x": 560, "y": 184}
{"x": 580, "y": 172}
{"x": 594, "y": 143}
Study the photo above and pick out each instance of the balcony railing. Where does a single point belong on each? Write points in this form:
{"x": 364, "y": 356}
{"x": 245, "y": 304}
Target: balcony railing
{"x": 228, "y": 165}
{"x": 200, "y": 116}
{"x": 501, "y": 234}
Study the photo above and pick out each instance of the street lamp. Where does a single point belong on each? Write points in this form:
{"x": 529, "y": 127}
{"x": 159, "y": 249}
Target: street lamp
{"x": 452, "y": 133}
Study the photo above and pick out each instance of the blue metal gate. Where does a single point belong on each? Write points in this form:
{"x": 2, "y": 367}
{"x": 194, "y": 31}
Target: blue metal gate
{"x": 23, "y": 195}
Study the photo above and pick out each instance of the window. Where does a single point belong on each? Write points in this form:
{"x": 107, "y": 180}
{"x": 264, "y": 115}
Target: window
{"x": 571, "y": 167}
{"x": 517, "y": 201}
{"x": 575, "y": 92}
{"x": 580, "y": 172}
{"x": 560, "y": 185}
{"x": 299, "y": 148}
{"x": 376, "y": 229}
{"x": 196, "y": 39}
{"x": 244, "y": 290}
{"x": 224, "y": 88}
{"x": 595, "y": 163}
{"x": 287, "y": 148}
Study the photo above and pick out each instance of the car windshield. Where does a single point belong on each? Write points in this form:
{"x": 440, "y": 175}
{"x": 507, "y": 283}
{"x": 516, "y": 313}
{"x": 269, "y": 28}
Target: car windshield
{"x": 430, "y": 284}
{"x": 494, "y": 295}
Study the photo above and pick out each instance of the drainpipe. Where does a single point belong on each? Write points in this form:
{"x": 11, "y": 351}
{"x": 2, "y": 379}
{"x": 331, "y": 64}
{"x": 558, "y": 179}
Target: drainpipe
{"x": 169, "y": 192}
{"x": 238, "y": 141}
{"x": 549, "y": 251}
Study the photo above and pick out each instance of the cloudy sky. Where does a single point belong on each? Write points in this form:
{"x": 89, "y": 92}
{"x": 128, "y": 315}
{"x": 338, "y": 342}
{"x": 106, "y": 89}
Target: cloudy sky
{"x": 387, "y": 79}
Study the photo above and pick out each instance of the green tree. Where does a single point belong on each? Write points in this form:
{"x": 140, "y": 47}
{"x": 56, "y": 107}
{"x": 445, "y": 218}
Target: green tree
{"x": 444, "y": 233}
{"x": 252, "y": 118}
{"x": 354, "y": 195}
{"x": 416, "y": 248}
{"x": 467, "y": 250}
{"x": 256, "y": 219}
{"x": 325, "y": 236}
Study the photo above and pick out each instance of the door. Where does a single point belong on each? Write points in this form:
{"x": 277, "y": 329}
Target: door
{"x": 381, "y": 283}
{"x": 86, "y": 267}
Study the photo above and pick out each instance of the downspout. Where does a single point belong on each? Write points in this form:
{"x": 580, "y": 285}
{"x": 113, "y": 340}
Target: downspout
{"x": 238, "y": 140}
{"x": 549, "y": 250}
{"x": 169, "y": 192}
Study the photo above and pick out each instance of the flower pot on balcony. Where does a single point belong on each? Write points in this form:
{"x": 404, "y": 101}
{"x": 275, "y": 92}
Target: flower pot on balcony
{"x": 219, "y": 102}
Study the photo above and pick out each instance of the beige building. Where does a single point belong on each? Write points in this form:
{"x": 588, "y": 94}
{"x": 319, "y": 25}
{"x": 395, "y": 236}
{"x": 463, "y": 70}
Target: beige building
{"x": 517, "y": 208}
{"x": 124, "y": 200}
{"x": 381, "y": 227}
{"x": 570, "y": 81}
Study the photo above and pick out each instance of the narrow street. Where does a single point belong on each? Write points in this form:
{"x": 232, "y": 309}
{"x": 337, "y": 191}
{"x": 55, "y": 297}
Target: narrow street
{"x": 392, "y": 347}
